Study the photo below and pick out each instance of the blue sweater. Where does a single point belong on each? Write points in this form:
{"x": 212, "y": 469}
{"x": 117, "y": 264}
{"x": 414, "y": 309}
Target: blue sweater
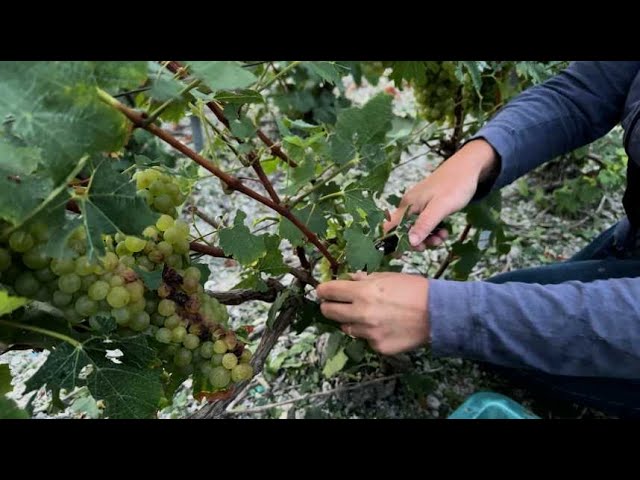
{"x": 572, "y": 328}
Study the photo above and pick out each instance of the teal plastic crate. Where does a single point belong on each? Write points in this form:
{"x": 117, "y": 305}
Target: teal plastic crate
{"x": 491, "y": 406}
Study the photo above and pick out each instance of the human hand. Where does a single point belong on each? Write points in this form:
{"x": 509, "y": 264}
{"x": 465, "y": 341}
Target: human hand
{"x": 387, "y": 309}
{"x": 448, "y": 189}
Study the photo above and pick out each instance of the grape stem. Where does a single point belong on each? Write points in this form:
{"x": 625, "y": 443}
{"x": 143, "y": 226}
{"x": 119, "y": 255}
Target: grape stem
{"x": 50, "y": 333}
{"x": 158, "y": 111}
{"x": 449, "y": 259}
{"x": 232, "y": 182}
{"x": 177, "y": 68}
{"x": 294, "y": 201}
{"x": 208, "y": 250}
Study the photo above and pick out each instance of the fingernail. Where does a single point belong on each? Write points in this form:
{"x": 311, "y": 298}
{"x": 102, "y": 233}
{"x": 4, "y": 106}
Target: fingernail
{"x": 413, "y": 239}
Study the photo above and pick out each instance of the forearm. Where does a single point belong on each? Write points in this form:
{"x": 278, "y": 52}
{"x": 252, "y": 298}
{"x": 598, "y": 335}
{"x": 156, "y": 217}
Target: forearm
{"x": 572, "y": 328}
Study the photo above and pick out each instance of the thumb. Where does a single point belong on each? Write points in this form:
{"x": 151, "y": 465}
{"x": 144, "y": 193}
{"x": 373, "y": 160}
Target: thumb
{"x": 431, "y": 216}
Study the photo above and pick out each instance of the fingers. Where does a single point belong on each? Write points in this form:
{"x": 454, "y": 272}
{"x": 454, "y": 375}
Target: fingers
{"x": 340, "y": 312}
{"x": 338, "y": 291}
{"x": 431, "y": 216}
{"x": 356, "y": 330}
{"x": 437, "y": 238}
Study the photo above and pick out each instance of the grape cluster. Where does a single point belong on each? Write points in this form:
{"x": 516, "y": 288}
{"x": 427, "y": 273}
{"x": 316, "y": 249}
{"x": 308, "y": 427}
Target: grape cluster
{"x": 191, "y": 327}
{"x": 437, "y": 95}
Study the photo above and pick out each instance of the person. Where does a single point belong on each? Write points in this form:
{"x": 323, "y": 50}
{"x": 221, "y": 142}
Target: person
{"x": 570, "y": 328}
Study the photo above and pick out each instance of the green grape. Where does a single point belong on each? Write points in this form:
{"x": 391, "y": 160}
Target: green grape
{"x": 172, "y": 189}
{"x": 99, "y": 290}
{"x": 146, "y": 264}
{"x": 163, "y": 203}
{"x": 219, "y": 377}
{"x": 39, "y": 231}
{"x": 157, "y": 319}
{"x": 61, "y": 299}
{"x": 110, "y": 261}
{"x": 121, "y": 315}
{"x": 182, "y": 247}
{"x": 195, "y": 329}
{"x": 69, "y": 283}
{"x": 116, "y": 281}
{"x": 174, "y": 235}
{"x": 146, "y": 195}
{"x": 119, "y": 237}
{"x": 137, "y": 305}
{"x": 229, "y": 361}
{"x": 206, "y": 368}
{"x": 166, "y": 307}
{"x": 122, "y": 250}
{"x": 241, "y": 372}
{"x": 84, "y": 266}
{"x": 156, "y": 187}
{"x": 135, "y": 244}
{"x": 164, "y": 223}
{"x": 174, "y": 261}
{"x": 173, "y": 321}
{"x": 193, "y": 272}
{"x": 151, "y": 233}
{"x": 43, "y": 294}
{"x": 163, "y": 335}
{"x": 219, "y": 346}
{"x": 45, "y": 275}
{"x": 118, "y": 297}
{"x": 164, "y": 290}
{"x": 183, "y": 357}
{"x": 190, "y": 285}
{"x": 183, "y": 227}
{"x": 20, "y": 241}
{"x": 26, "y": 284}
{"x": 246, "y": 355}
{"x": 85, "y": 306}
{"x": 127, "y": 260}
{"x": 36, "y": 259}
{"x": 136, "y": 290}
{"x": 5, "y": 259}
{"x": 178, "y": 334}
{"x": 155, "y": 256}
{"x": 165, "y": 248}
{"x": 140, "y": 321}
{"x": 72, "y": 316}
{"x": 216, "y": 359}
{"x": 206, "y": 349}
{"x": 191, "y": 341}
{"x": 150, "y": 306}
{"x": 88, "y": 281}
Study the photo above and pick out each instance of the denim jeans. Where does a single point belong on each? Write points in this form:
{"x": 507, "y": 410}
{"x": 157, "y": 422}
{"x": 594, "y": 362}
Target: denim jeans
{"x": 613, "y": 254}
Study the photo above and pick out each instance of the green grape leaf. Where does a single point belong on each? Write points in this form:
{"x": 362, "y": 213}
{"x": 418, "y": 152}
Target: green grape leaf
{"x": 54, "y": 106}
{"x": 165, "y": 88}
{"x": 362, "y": 208}
{"x": 474, "y": 72}
{"x": 10, "y": 411}
{"x": 103, "y": 324}
{"x": 356, "y": 349}
{"x": 328, "y": 71}
{"x": 238, "y": 241}
{"x": 335, "y": 364}
{"x": 239, "y": 96}
{"x": 151, "y": 280}
{"x": 86, "y": 405}
{"x": 112, "y": 206}
{"x": 469, "y": 255}
{"x": 272, "y": 263}
{"x": 9, "y": 303}
{"x": 126, "y": 383}
{"x": 485, "y": 214}
{"x": 5, "y": 379}
{"x": 336, "y": 340}
{"x": 409, "y": 71}
{"x": 358, "y": 127}
{"x": 223, "y": 75}
{"x": 252, "y": 281}
{"x": 419, "y": 384}
{"x": 309, "y": 314}
{"x": 310, "y": 216}
{"x": 18, "y": 160}
{"x": 56, "y": 246}
{"x": 276, "y": 306}
{"x": 114, "y": 76}
{"x": 19, "y": 196}
{"x": 242, "y": 128}
{"x": 361, "y": 251}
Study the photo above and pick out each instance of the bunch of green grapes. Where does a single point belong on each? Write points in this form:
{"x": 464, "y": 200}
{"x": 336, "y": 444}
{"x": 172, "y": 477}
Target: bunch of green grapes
{"x": 437, "y": 95}
{"x": 159, "y": 190}
{"x": 191, "y": 325}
